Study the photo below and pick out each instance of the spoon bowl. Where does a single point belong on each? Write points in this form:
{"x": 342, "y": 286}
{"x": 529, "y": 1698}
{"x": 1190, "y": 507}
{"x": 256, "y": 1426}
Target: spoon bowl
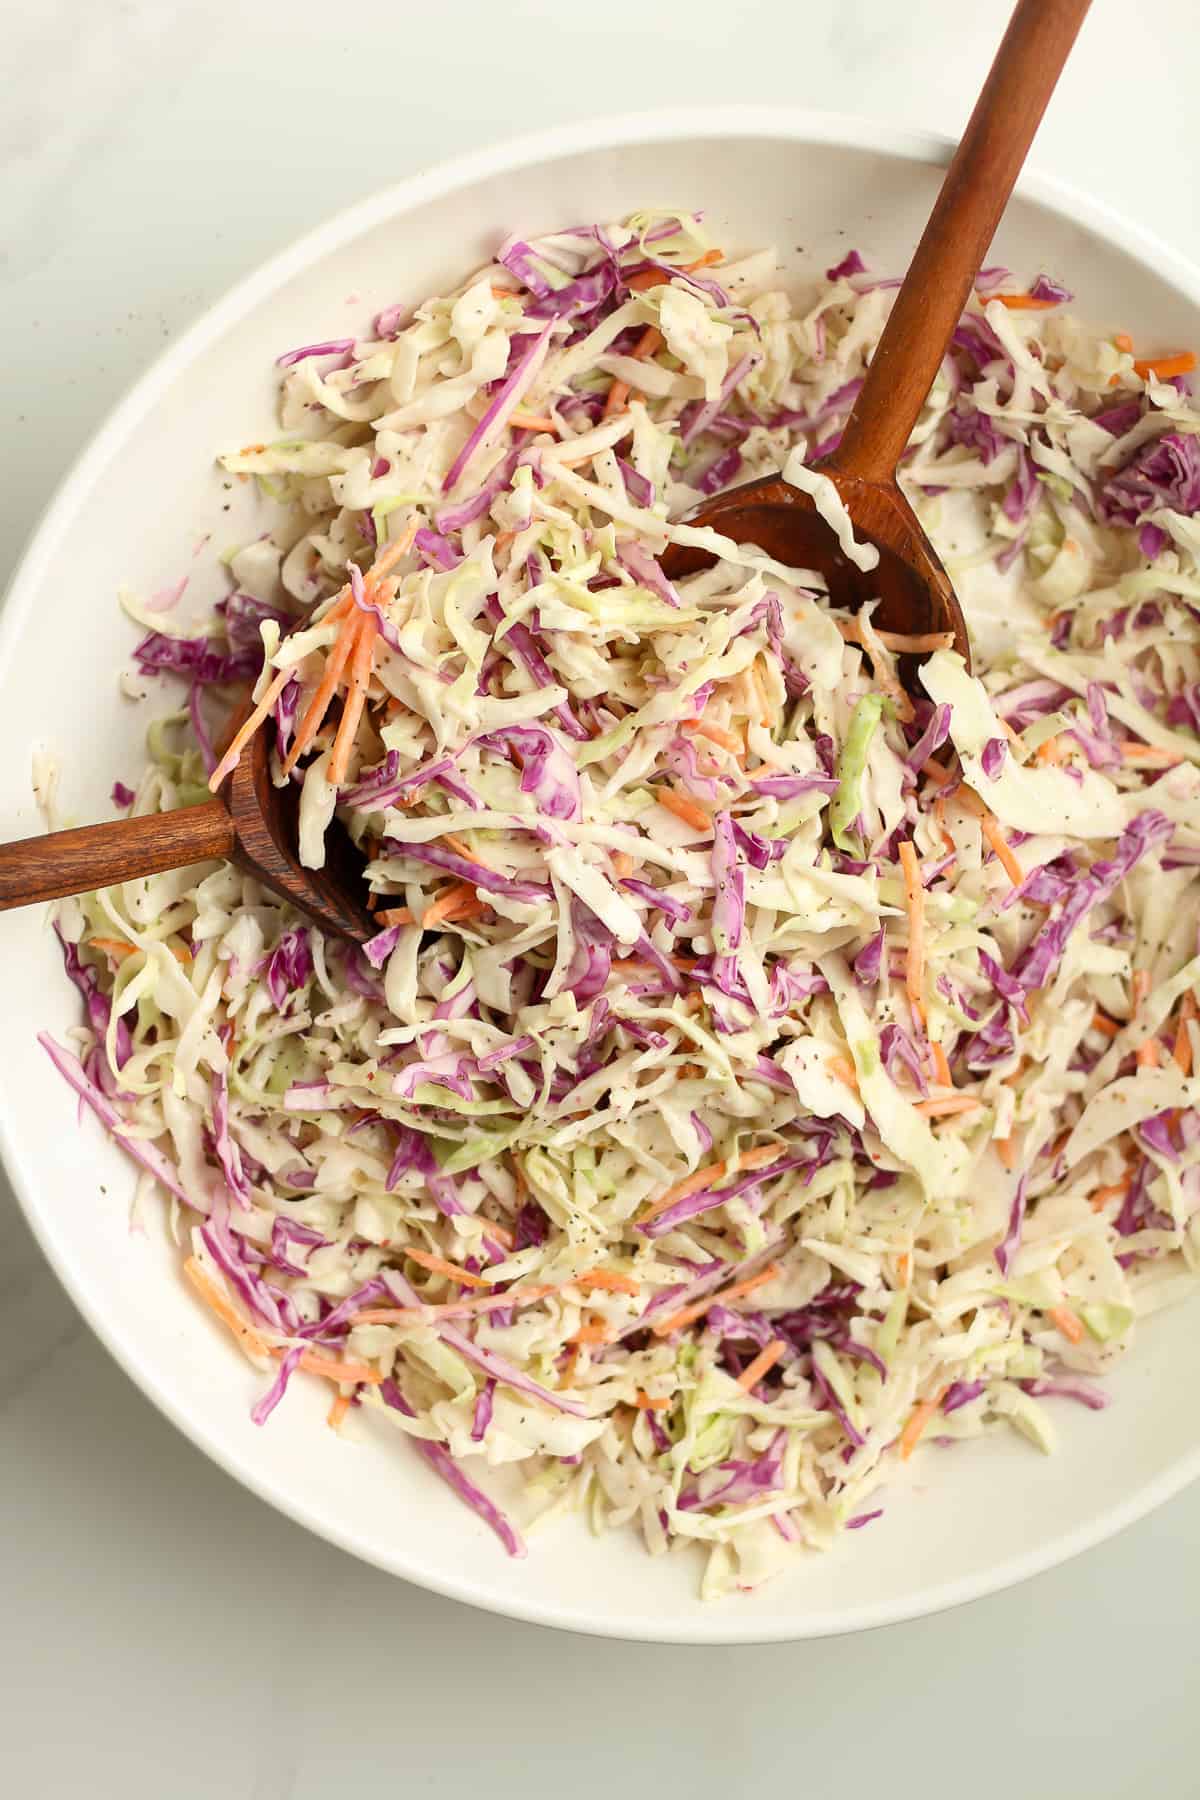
{"x": 916, "y": 597}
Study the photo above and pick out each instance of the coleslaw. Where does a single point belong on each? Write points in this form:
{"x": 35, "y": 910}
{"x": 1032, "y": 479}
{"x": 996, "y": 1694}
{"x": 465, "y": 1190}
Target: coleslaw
{"x": 757, "y": 1072}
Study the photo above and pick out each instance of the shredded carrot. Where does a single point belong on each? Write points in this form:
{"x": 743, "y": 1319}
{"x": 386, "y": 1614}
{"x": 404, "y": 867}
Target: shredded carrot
{"x": 1149, "y": 756}
{"x": 1102, "y": 1023}
{"x": 842, "y": 1069}
{"x": 935, "y": 771}
{"x": 716, "y": 734}
{"x": 437, "y": 1265}
{"x": 1182, "y": 1051}
{"x": 622, "y": 865}
{"x": 318, "y": 706}
{"x": 1141, "y": 987}
{"x": 915, "y": 896}
{"x": 1163, "y": 367}
{"x": 214, "y": 1298}
{"x": 1006, "y": 1150}
{"x": 648, "y": 344}
{"x": 691, "y": 1003}
{"x": 503, "y": 293}
{"x": 1066, "y": 1321}
{"x": 990, "y": 826}
{"x": 685, "y": 808}
{"x": 651, "y": 278}
{"x": 526, "y": 421}
{"x": 1122, "y": 341}
{"x": 941, "y": 1067}
{"x": 944, "y": 1108}
{"x": 243, "y": 735}
{"x": 918, "y": 1420}
{"x": 356, "y": 699}
{"x": 1051, "y": 751}
{"x": 766, "y": 1359}
{"x": 596, "y": 1332}
{"x": 609, "y": 1280}
{"x": 1115, "y": 1191}
{"x": 1148, "y": 1056}
{"x": 329, "y": 1368}
{"x": 389, "y": 557}
{"x": 760, "y": 691}
{"x": 338, "y": 1411}
{"x": 688, "y": 1315}
{"x": 1018, "y": 302}
{"x": 755, "y": 1158}
{"x": 461, "y": 849}
{"x": 903, "y": 1267}
{"x": 413, "y": 1315}
{"x": 457, "y": 902}
{"x": 644, "y": 1402}
{"x": 120, "y": 949}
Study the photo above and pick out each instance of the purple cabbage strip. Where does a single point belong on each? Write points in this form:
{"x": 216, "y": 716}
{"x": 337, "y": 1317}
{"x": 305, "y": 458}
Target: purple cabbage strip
{"x": 504, "y": 402}
{"x": 484, "y": 1406}
{"x": 261, "y": 1411}
{"x": 443, "y": 1464}
{"x": 1007, "y": 1247}
{"x": 1036, "y": 964}
{"x": 143, "y": 1152}
{"x": 1165, "y": 472}
{"x": 331, "y": 347}
{"x": 961, "y": 1393}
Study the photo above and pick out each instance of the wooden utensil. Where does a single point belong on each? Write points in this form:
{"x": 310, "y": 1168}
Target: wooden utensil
{"x": 250, "y": 822}
{"x": 915, "y": 593}
{"x": 253, "y": 823}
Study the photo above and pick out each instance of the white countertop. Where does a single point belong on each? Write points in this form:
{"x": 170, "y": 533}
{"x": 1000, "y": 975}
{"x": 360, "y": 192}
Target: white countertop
{"x": 163, "y": 1633}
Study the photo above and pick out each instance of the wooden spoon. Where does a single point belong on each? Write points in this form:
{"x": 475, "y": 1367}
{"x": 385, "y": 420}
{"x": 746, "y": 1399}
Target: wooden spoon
{"x": 915, "y": 593}
{"x": 253, "y": 823}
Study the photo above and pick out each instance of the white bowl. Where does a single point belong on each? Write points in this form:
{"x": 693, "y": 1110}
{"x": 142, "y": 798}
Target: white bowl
{"x": 962, "y": 1523}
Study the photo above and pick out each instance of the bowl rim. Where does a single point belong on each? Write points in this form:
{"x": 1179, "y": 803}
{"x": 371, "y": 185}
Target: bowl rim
{"x": 793, "y": 125}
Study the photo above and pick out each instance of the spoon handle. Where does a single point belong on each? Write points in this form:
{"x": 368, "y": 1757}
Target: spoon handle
{"x": 974, "y": 194}
{"x": 95, "y": 856}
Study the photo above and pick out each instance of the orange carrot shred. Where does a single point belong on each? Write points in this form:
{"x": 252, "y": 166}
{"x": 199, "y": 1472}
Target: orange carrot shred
{"x": 1148, "y": 1054}
{"x": 990, "y": 826}
{"x": 526, "y": 421}
{"x": 947, "y": 1107}
{"x": 1141, "y": 987}
{"x": 245, "y": 732}
{"x": 214, "y": 1298}
{"x": 644, "y": 1402}
{"x": 1114, "y": 1191}
{"x": 915, "y": 896}
{"x": 1163, "y": 367}
{"x": 1106, "y": 1026}
{"x": 1122, "y": 341}
{"x": 918, "y": 1420}
{"x": 1067, "y": 1322}
{"x": 766, "y": 1359}
{"x": 842, "y": 1069}
{"x": 1006, "y": 1150}
{"x": 716, "y": 734}
{"x": 338, "y": 1411}
{"x": 437, "y": 1265}
{"x": 318, "y": 706}
{"x": 941, "y": 1067}
{"x": 609, "y": 1280}
{"x": 360, "y": 675}
{"x": 685, "y": 808}
{"x": 1022, "y": 302}
{"x": 1182, "y": 1051}
{"x": 688, "y": 1315}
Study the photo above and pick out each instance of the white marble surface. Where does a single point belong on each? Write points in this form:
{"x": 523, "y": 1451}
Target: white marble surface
{"x": 162, "y": 1632}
